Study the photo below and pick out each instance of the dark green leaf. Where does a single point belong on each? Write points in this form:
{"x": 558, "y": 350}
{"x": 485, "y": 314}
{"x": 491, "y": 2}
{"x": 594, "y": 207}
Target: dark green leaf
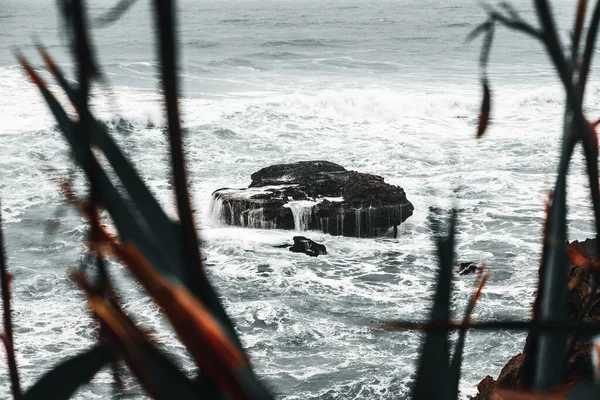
{"x": 553, "y": 303}
{"x": 484, "y": 114}
{"x": 115, "y": 12}
{"x": 486, "y": 48}
{"x": 64, "y": 379}
{"x": 455, "y": 364}
{"x": 479, "y": 29}
{"x": 432, "y": 370}
{"x": 7, "y": 335}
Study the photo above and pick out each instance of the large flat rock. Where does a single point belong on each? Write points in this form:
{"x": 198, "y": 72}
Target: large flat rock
{"x": 314, "y": 195}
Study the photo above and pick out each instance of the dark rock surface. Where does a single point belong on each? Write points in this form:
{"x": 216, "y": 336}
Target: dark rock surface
{"x": 316, "y": 195}
{"x": 306, "y": 246}
{"x": 466, "y": 268}
{"x": 578, "y": 367}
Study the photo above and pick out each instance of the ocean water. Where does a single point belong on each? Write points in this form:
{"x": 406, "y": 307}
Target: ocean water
{"x": 384, "y": 87}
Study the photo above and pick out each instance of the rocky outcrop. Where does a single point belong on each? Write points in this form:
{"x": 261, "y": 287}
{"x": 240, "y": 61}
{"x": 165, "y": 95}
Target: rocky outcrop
{"x": 306, "y": 246}
{"x": 578, "y": 367}
{"x": 317, "y": 195}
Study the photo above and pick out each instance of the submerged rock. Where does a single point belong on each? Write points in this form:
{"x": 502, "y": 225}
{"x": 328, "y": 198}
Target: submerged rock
{"x": 317, "y": 195}
{"x": 578, "y": 365}
{"x": 306, "y": 246}
{"x": 466, "y": 268}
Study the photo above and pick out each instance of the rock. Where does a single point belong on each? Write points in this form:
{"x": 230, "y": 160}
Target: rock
{"x": 264, "y": 270}
{"x": 306, "y": 246}
{"x": 317, "y": 195}
{"x": 466, "y": 268}
{"x": 579, "y": 366}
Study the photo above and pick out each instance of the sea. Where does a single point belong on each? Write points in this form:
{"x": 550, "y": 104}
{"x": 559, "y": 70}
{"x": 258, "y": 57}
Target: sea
{"x": 391, "y": 88}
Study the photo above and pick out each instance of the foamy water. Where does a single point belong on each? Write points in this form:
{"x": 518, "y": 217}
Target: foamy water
{"x": 381, "y": 87}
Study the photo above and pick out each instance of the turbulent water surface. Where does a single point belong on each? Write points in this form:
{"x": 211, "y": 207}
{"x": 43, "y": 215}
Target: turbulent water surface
{"x": 384, "y": 87}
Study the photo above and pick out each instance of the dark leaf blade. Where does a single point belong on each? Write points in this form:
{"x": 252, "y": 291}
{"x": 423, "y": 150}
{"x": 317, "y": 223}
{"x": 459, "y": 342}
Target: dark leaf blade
{"x": 484, "y": 115}
{"x": 167, "y": 44}
{"x": 456, "y": 363}
{"x": 510, "y": 10}
{"x": 58, "y": 75}
{"x": 115, "y": 12}
{"x": 553, "y": 45}
{"x": 161, "y": 227}
{"x": 589, "y": 50}
{"x": 432, "y": 370}
{"x": 164, "y": 11}
{"x": 590, "y": 150}
{"x": 486, "y": 48}
{"x": 551, "y": 347}
{"x": 445, "y": 248}
{"x": 159, "y": 376}
{"x": 529, "y": 364}
{"x": 129, "y": 227}
{"x": 64, "y": 380}
{"x": 75, "y": 18}
{"x": 587, "y": 329}
{"x": 202, "y": 334}
{"x": 479, "y": 29}
{"x": 59, "y": 113}
{"x": 168, "y": 260}
{"x": 579, "y": 21}
{"x": 7, "y": 335}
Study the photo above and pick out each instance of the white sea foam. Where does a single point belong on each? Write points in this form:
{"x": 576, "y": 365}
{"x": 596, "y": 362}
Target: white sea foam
{"x": 387, "y": 103}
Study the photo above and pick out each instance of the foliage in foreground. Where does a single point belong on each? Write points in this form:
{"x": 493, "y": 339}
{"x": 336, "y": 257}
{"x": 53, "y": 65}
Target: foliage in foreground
{"x": 163, "y": 255}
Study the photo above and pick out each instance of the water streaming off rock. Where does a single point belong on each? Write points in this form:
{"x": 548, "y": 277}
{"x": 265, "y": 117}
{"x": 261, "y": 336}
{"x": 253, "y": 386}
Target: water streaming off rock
{"x": 303, "y": 213}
